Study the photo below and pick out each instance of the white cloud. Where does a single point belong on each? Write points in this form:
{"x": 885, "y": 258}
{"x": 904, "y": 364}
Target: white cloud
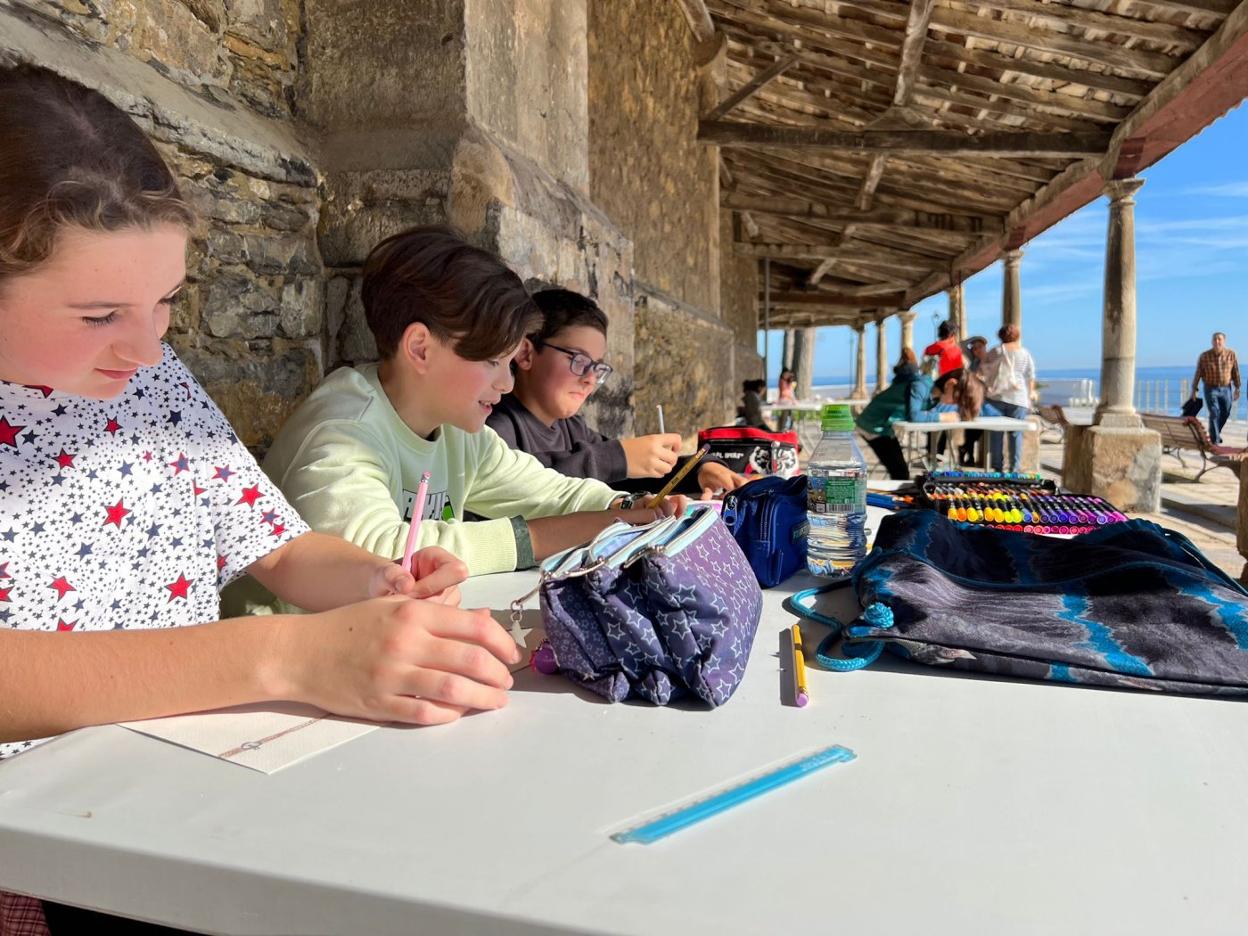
{"x": 1225, "y": 190}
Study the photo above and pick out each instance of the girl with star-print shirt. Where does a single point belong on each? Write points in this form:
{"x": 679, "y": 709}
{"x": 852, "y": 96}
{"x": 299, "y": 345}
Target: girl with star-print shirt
{"x": 126, "y": 501}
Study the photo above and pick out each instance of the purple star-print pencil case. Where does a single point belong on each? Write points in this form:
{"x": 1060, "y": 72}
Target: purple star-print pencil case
{"x": 660, "y": 612}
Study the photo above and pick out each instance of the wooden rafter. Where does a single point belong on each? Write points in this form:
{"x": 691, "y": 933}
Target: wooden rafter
{"x": 894, "y": 159}
{"x": 887, "y": 217}
{"x": 905, "y": 142}
{"x": 759, "y": 81}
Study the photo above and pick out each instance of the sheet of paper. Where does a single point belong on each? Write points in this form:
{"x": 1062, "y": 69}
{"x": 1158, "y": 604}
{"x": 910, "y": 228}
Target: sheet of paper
{"x": 263, "y": 737}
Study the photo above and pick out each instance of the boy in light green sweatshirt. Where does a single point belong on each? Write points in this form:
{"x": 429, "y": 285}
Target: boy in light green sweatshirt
{"x": 448, "y": 318}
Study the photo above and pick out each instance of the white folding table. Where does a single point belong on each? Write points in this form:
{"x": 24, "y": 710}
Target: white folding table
{"x": 976, "y": 805}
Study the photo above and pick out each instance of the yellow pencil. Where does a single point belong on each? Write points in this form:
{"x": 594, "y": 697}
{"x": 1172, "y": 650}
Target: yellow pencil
{"x": 800, "y": 695}
{"x": 657, "y": 500}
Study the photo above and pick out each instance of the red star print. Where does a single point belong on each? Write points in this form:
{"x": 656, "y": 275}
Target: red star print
{"x": 147, "y": 456}
{"x": 180, "y": 464}
{"x": 250, "y": 496}
{"x": 113, "y": 426}
{"x": 221, "y": 562}
{"x": 62, "y": 625}
{"x": 116, "y": 514}
{"x": 223, "y": 473}
{"x": 4, "y": 594}
{"x": 197, "y": 489}
{"x": 278, "y": 529}
{"x": 178, "y": 589}
{"x": 8, "y": 432}
{"x": 65, "y": 460}
{"x": 62, "y": 587}
{"x": 4, "y": 570}
{"x": 46, "y": 391}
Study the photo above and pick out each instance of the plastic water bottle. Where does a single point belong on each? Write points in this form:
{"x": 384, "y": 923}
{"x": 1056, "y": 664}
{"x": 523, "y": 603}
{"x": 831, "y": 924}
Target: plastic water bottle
{"x": 836, "y": 504}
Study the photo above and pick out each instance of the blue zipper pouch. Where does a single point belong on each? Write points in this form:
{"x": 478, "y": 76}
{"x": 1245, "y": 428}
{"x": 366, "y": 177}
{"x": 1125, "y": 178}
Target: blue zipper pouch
{"x": 767, "y": 518}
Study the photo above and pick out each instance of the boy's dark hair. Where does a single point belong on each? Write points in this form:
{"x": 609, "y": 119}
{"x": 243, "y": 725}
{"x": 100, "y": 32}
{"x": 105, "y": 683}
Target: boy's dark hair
{"x": 563, "y": 308}
{"x": 944, "y": 330}
{"x": 755, "y": 386}
{"x": 461, "y": 293}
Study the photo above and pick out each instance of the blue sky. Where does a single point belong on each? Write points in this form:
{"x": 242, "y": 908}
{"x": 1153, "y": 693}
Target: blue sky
{"x": 1191, "y": 221}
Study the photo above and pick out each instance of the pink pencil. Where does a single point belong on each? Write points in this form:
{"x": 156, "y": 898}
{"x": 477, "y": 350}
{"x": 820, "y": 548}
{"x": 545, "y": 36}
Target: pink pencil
{"x": 418, "y": 511}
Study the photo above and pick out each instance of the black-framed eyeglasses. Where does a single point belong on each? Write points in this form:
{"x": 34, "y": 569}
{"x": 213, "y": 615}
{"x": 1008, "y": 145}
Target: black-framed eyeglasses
{"x": 580, "y": 363}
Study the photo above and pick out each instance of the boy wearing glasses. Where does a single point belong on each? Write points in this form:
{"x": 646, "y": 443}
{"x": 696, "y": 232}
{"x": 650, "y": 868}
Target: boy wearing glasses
{"x": 447, "y": 318}
{"x": 556, "y": 370}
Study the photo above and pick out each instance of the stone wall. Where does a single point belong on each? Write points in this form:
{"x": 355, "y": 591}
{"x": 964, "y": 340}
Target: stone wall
{"x": 559, "y": 134}
{"x": 738, "y": 295}
{"x": 648, "y": 172}
{"x": 208, "y": 81}
{"x": 646, "y": 169}
{"x": 687, "y": 356}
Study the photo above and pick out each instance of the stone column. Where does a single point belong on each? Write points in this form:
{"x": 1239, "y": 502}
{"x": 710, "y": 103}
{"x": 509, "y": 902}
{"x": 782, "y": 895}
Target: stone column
{"x": 1118, "y": 313}
{"x": 907, "y": 329}
{"x": 957, "y": 309}
{"x": 881, "y": 356}
{"x": 860, "y": 365}
{"x": 1012, "y": 292}
{"x": 786, "y": 356}
{"x": 803, "y": 361}
{"x": 1116, "y": 458}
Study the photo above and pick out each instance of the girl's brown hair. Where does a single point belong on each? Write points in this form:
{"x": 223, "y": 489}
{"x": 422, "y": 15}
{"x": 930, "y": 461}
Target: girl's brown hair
{"x": 69, "y": 156}
{"x": 907, "y": 357}
{"x": 461, "y": 293}
{"x": 971, "y": 393}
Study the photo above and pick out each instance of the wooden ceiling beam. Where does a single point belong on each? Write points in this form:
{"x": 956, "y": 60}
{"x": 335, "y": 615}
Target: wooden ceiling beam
{"x": 911, "y": 142}
{"x": 1217, "y": 7}
{"x": 829, "y": 300}
{"x": 941, "y": 79}
{"x": 1103, "y": 22}
{"x": 1134, "y": 61}
{"x": 755, "y": 84}
{"x": 887, "y": 217}
{"x": 939, "y": 49}
{"x": 877, "y": 255}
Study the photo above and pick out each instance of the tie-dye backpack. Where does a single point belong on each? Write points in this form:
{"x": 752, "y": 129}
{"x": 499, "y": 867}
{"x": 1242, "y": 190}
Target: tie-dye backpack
{"x": 1131, "y": 605}
{"x": 659, "y": 612}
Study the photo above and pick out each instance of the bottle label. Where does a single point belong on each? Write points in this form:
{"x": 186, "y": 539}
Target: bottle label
{"x": 837, "y": 495}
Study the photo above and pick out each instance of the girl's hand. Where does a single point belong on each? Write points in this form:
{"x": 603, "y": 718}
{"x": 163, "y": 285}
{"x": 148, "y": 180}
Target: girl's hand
{"x": 435, "y": 575}
{"x": 717, "y": 477}
{"x": 395, "y": 659}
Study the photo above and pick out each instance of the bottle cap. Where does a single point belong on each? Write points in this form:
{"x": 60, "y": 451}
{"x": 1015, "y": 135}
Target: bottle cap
{"x": 837, "y": 418}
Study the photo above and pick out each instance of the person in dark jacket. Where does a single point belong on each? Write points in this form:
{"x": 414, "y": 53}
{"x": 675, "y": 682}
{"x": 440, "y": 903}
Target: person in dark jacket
{"x": 556, "y": 370}
{"x": 905, "y": 399}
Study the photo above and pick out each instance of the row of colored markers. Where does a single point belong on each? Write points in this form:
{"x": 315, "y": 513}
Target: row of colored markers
{"x": 1054, "y": 513}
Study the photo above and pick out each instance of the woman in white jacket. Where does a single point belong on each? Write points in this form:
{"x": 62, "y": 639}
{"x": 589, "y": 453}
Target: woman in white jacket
{"x": 1010, "y": 375}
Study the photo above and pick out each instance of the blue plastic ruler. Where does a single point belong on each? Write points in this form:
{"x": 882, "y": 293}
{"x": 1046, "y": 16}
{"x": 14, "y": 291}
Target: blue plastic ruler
{"x": 712, "y": 802}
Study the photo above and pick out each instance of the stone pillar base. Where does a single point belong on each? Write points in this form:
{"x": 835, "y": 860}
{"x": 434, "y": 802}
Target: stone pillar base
{"x": 1121, "y": 465}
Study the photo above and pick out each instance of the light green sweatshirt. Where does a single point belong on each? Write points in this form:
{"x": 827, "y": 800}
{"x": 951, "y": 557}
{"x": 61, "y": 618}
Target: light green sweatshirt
{"x": 350, "y": 466}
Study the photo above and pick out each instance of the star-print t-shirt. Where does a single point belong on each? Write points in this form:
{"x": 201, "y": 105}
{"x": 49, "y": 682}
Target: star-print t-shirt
{"x": 126, "y": 513}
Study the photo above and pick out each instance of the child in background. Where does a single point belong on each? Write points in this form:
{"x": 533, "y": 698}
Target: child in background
{"x": 752, "y": 404}
{"x": 556, "y": 369}
{"x": 448, "y": 318}
{"x": 127, "y": 501}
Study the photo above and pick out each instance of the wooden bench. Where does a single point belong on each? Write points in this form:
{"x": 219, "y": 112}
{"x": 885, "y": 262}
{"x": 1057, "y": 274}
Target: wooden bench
{"x": 1187, "y": 433}
{"x": 1053, "y": 419}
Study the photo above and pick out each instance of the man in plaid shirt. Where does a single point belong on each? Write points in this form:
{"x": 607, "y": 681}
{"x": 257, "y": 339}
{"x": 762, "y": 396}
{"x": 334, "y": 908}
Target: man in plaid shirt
{"x": 1219, "y": 369}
